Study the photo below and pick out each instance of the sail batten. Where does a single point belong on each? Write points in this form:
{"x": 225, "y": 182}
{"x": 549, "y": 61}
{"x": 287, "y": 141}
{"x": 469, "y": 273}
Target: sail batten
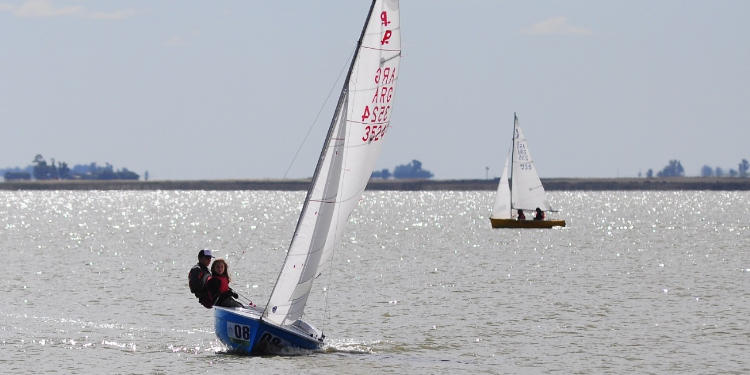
{"x": 346, "y": 162}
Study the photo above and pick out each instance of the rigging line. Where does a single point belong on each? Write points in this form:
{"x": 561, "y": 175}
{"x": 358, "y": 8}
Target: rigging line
{"x": 246, "y": 243}
{"x": 322, "y": 106}
{"x": 249, "y": 301}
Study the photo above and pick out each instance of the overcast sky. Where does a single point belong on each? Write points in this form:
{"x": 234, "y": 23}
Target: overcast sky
{"x": 228, "y": 89}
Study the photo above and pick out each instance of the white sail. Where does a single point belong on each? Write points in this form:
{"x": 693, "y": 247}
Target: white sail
{"x": 354, "y": 140}
{"x": 501, "y": 209}
{"x": 526, "y": 189}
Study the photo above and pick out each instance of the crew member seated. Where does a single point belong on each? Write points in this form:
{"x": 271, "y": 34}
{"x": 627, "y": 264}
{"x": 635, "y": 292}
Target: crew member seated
{"x": 539, "y": 214}
{"x": 521, "y": 216}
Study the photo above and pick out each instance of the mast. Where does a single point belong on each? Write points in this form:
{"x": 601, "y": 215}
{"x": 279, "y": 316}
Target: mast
{"x": 329, "y": 135}
{"x": 512, "y": 155}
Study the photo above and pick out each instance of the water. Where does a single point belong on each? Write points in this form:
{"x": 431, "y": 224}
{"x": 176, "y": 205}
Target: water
{"x": 639, "y": 282}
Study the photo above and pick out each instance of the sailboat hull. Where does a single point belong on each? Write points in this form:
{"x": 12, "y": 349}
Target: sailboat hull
{"x": 512, "y": 223}
{"x": 244, "y": 332}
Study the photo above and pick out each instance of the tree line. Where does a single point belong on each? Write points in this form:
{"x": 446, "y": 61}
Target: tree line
{"x": 42, "y": 170}
{"x": 412, "y": 170}
{"x": 675, "y": 169}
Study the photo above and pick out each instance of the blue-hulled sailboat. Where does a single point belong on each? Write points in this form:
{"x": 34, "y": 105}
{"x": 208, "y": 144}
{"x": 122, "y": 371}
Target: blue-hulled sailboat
{"x": 352, "y": 145}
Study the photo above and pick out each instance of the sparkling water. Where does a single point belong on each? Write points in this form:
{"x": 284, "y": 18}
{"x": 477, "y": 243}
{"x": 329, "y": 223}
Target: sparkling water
{"x": 638, "y": 282}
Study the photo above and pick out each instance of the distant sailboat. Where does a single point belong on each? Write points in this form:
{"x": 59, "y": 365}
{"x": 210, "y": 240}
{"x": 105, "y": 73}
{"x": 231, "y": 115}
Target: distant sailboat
{"x": 354, "y": 140}
{"x": 525, "y": 193}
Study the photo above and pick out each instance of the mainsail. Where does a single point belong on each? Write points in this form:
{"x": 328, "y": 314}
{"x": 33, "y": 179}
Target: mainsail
{"x": 527, "y": 192}
{"x": 501, "y": 209}
{"x": 353, "y": 143}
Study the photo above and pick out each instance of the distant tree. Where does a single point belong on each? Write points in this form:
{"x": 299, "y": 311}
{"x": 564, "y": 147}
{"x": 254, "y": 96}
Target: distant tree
{"x": 106, "y": 173}
{"x": 63, "y": 171}
{"x": 673, "y": 169}
{"x": 733, "y": 173}
{"x": 650, "y": 173}
{"x": 54, "y": 173}
{"x": 20, "y": 175}
{"x": 16, "y": 173}
{"x": 411, "y": 170}
{"x": 707, "y": 171}
{"x": 744, "y": 167}
{"x": 42, "y": 170}
{"x": 125, "y": 174}
{"x": 718, "y": 172}
{"x": 384, "y": 174}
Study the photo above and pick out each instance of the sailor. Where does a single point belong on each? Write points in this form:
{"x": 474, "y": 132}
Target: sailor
{"x": 199, "y": 276}
{"x": 218, "y": 286}
{"x": 539, "y": 214}
{"x": 521, "y": 216}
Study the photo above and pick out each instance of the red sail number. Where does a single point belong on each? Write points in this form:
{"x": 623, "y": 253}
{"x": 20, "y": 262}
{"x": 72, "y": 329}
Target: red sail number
{"x": 373, "y": 133}
{"x": 384, "y": 18}
{"x": 386, "y": 37}
{"x": 385, "y": 76}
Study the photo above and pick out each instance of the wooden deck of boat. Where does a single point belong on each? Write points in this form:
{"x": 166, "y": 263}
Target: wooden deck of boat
{"x": 513, "y": 223}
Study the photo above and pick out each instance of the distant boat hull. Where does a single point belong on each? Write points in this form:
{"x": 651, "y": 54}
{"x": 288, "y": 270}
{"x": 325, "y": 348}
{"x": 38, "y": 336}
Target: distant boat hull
{"x": 513, "y": 223}
{"x": 244, "y": 332}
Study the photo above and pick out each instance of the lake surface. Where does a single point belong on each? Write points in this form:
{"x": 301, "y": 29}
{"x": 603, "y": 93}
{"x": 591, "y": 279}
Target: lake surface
{"x": 638, "y": 282}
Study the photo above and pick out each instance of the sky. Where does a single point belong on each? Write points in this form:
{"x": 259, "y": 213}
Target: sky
{"x": 227, "y": 89}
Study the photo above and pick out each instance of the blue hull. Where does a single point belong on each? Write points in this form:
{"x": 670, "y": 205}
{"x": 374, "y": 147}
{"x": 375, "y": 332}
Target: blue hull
{"x": 243, "y": 331}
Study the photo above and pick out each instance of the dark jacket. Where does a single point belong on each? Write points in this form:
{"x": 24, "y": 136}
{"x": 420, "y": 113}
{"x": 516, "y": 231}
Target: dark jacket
{"x": 539, "y": 215}
{"x": 197, "y": 279}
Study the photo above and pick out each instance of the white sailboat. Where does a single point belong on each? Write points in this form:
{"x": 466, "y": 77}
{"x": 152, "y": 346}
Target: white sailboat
{"x": 353, "y": 143}
{"x": 525, "y": 192}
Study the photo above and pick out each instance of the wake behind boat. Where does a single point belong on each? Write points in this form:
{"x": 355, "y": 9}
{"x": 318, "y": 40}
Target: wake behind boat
{"x": 525, "y": 193}
{"x": 354, "y": 140}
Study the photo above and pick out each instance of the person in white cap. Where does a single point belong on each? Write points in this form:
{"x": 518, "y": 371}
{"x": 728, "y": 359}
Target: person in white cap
{"x": 199, "y": 275}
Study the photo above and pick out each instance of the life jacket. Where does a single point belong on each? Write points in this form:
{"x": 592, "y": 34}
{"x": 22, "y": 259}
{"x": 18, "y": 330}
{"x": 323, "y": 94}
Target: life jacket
{"x": 223, "y": 283}
{"x": 216, "y": 286}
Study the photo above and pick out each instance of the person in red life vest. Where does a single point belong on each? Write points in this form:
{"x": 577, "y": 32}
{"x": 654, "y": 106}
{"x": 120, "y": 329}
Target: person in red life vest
{"x": 521, "y": 216}
{"x": 199, "y": 276}
{"x": 218, "y": 285}
{"x": 539, "y": 214}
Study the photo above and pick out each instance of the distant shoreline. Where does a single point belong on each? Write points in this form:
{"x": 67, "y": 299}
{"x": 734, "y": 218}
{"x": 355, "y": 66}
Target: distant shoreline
{"x": 550, "y": 184}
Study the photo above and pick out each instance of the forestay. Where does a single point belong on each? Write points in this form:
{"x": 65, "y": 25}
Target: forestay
{"x": 354, "y": 140}
{"x": 526, "y": 189}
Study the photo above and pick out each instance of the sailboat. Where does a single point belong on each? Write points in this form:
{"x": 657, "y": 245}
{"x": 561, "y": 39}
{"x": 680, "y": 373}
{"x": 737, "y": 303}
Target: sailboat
{"x": 355, "y": 136}
{"x": 525, "y": 192}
